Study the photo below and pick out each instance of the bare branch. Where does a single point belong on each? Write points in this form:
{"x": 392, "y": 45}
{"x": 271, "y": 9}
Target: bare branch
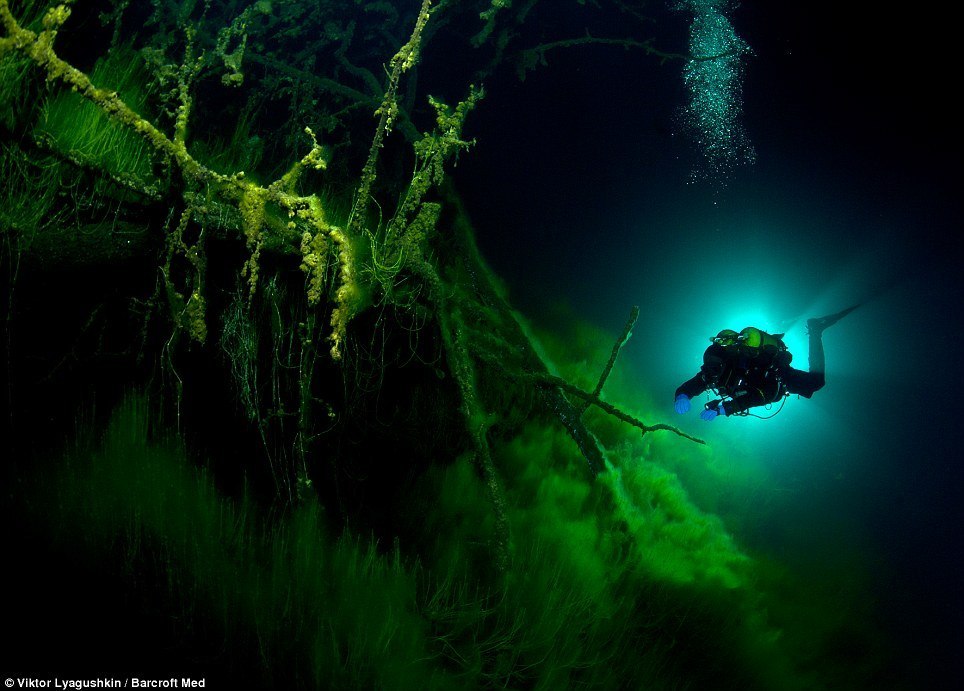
{"x": 550, "y": 380}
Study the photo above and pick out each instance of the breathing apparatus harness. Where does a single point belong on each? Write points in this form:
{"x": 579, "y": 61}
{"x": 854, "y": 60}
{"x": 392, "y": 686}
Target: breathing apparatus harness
{"x": 753, "y": 350}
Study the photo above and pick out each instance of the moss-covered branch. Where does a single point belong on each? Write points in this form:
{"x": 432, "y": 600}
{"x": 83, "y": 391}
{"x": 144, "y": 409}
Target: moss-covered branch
{"x": 250, "y": 197}
{"x": 404, "y": 60}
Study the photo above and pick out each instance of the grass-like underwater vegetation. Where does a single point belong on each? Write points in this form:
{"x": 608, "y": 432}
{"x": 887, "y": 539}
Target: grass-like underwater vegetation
{"x": 624, "y": 582}
{"x": 82, "y": 132}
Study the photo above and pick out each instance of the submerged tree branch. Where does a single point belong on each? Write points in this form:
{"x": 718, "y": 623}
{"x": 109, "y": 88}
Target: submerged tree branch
{"x": 593, "y": 399}
{"x": 529, "y": 59}
{"x": 623, "y": 337}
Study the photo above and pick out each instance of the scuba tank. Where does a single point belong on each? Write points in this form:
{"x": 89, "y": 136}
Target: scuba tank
{"x": 755, "y": 344}
{"x": 758, "y": 343}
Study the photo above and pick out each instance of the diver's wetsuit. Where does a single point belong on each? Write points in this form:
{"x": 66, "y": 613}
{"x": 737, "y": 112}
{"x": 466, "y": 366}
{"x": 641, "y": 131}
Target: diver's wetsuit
{"x": 752, "y": 381}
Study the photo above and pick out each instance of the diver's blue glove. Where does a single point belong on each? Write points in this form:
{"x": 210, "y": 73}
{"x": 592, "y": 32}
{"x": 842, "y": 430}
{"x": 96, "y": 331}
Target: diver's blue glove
{"x": 682, "y": 404}
{"x": 711, "y": 413}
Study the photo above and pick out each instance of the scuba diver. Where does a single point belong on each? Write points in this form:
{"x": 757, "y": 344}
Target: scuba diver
{"x": 752, "y": 368}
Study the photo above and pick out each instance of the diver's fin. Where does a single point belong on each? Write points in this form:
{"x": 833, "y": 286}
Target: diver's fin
{"x": 817, "y": 325}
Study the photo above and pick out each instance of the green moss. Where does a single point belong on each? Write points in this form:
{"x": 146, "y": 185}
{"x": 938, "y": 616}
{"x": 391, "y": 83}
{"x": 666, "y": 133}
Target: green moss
{"x": 18, "y": 96}
{"x": 28, "y": 193}
{"x": 81, "y": 131}
{"x": 252, "y": 207}
{"x": 14, "y": 71}
{"x": 292, "y": 605}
